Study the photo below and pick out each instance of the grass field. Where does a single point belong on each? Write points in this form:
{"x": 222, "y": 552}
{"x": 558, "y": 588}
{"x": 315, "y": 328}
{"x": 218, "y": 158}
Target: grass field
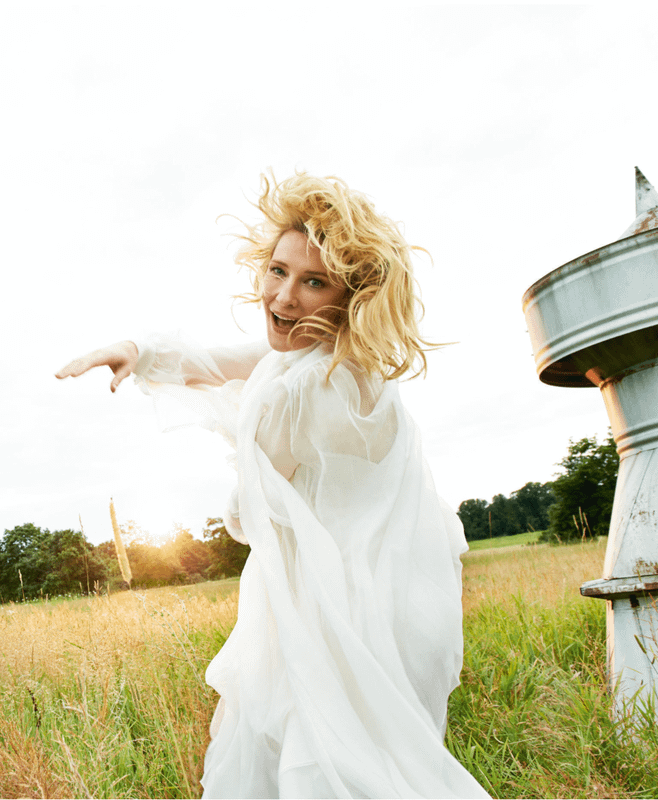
{"x": 105, "y": 696}
{"x": 505, "y": 541}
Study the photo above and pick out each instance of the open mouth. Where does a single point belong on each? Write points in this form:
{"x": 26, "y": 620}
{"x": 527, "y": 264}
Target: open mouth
{"x": 282, "y": 323}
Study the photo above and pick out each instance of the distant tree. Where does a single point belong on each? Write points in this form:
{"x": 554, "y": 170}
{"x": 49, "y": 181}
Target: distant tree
{"x": 584, "y": 492}
{"x": 152, "y": 566}
{"x": 229, "y": 556}
{"x": 475, "y": 519}
{"x": 74, "y": 566}
{"x": 106, "y": 553}
{"x": 533, "y": 501}
{"x": 192, "y": 555}
{"x": 505, "y": 519}
{"x": 24, "y": 562}
{"x": 36, "y": 562}
{"x": 196, "y": 559}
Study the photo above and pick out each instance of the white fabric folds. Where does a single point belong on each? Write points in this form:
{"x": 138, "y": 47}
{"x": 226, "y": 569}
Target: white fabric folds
{"x": 335, "y": 679}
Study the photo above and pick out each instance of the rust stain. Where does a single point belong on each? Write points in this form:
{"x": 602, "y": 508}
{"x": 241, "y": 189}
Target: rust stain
{"x": 552, "y": 277}
{"x": 616, "y": 588}
{"x": 542, "y": 283}
{"x": 643, "y": 567}
{"x": 647, "y": 588}
{"x": 613, "y": 379}
{"x": 590, "y": 258}
{"x": 649, "y": 221}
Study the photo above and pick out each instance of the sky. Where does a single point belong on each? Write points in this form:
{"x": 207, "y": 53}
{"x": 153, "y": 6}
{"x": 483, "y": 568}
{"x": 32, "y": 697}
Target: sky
{"x": 504, "y": 138}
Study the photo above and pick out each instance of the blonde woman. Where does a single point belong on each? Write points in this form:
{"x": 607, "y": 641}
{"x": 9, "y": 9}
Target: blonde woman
{"x": 335, "y": 680}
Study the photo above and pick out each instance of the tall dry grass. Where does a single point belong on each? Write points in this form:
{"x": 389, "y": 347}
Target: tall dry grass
{"x": 532, "y": 717}
{"x": 105, "y": 697}
{"x": 542, "y": 573}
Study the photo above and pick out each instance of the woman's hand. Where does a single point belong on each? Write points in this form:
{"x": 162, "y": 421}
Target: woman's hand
{"x": 121, "y": 358}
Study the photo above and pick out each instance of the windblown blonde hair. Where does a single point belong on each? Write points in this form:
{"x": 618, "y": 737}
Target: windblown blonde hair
{"x": 362, "y": 251}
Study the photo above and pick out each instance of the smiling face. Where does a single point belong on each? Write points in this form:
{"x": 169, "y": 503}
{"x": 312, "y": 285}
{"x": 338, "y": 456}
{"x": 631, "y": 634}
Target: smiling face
{"x": 296, "y": 285}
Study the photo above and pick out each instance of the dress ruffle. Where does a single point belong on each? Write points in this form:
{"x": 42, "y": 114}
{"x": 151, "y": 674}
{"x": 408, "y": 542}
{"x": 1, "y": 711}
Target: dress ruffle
{"x": 335, "y": 679}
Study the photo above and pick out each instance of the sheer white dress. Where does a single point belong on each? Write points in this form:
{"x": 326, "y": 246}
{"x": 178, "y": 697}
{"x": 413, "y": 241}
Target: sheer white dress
{"x": 335, "y": 679}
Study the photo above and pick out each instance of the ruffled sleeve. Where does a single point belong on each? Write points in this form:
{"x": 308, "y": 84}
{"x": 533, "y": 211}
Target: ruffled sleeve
{"x": 191, "y": 385}
{"x": 170, "y": 358}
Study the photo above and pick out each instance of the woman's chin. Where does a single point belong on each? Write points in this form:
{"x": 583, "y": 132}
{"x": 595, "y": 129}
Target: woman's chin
{"x": 281, "y": 341}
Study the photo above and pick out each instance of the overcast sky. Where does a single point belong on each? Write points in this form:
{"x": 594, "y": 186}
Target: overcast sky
{"x": 503, "y": 137}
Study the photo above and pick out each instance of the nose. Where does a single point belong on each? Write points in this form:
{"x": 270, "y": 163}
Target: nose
{"x": 287, "y": 294}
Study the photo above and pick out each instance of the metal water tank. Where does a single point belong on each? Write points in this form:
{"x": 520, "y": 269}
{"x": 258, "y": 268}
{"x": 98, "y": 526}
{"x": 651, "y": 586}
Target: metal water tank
{"x": 594, "y": 322}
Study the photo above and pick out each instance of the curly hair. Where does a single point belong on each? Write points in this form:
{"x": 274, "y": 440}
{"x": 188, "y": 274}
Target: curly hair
{"x": 362, "y": 251}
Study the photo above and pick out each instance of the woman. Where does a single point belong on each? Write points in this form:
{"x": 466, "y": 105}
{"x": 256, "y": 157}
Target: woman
{"x": 335, "y": 680}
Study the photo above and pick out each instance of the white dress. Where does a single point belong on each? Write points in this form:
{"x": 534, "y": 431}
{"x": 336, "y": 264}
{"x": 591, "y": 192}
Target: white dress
{"x": 335, "y": 679}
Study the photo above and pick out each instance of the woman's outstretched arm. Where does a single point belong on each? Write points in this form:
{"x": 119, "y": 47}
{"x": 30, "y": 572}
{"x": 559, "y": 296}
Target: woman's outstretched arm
{"x": 172, "y": 358}
{"x": 121, "y": 358}
{"x": 167, "y": 359}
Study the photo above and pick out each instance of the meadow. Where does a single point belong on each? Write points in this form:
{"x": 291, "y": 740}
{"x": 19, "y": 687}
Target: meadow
{"x": 518, "y": 540}
{"x": 105, "y": 696}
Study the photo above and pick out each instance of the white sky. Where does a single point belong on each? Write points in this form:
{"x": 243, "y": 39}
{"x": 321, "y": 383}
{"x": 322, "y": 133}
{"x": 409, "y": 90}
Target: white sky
{"x": 504, "y": 137}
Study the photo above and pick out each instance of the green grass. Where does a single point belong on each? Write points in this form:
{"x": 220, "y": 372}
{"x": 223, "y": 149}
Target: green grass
{"x": 532, "y": 716}
{"x": 530, "y": 537}
{"x": 105, "y": 697}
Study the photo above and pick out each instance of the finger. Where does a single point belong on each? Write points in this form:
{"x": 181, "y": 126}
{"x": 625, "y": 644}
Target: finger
{"x": 120, "y": 374}
{"x": 81, "y": 365}
{"x": 75, "y": 368}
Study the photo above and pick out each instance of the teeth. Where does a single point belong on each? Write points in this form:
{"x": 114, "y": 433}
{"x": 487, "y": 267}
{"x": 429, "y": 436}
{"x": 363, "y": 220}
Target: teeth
{"x": 287, "y": 323}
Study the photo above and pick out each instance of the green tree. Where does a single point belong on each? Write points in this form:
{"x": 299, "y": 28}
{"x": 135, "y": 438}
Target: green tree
{"x": 73, "y": 565}
{"x": 106, "y": 553}
{"x": 229, "y": 556}
{"x": 475, "y": 518}
{"x": 504, "y": 516}
{"x": 533, "y": 501}
{"x": 36, "y": 562}
{"x": 584, "y": 492}
{"x": 24, "y": 562}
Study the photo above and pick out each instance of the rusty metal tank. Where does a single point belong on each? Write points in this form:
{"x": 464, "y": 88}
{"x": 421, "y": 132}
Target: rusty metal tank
{"x": 594, "y": 323}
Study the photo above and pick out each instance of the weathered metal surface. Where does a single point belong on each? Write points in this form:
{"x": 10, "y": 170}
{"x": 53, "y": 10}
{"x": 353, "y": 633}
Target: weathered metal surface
{"x": 632, "y": 645}
{"x": 594, "y": 322}
{"x": 646, "y": 207}
{"x": 646, "y": 197}
{"x": 609, "y": 588}
{"x": 645, "y": 222}
{"x": 631, "y": 400}
{"x": 610, "y": 293}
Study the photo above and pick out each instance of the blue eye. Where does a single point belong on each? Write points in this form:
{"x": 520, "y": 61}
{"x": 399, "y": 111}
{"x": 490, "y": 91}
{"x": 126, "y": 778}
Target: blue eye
{"x": 316, "y": 284}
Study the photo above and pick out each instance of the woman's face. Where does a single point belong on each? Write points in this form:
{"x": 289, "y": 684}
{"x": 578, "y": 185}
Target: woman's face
{"x": 296, "y": 285}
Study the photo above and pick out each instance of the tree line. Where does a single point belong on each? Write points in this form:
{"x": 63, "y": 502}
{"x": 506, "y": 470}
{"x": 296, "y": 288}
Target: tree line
{"x": 36, "y": 562}
{"x": 525, "y": 510}
{"x": 576, "y": 505}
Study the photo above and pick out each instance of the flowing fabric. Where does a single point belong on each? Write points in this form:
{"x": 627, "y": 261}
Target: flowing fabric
{"x": 335, "y": 679}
